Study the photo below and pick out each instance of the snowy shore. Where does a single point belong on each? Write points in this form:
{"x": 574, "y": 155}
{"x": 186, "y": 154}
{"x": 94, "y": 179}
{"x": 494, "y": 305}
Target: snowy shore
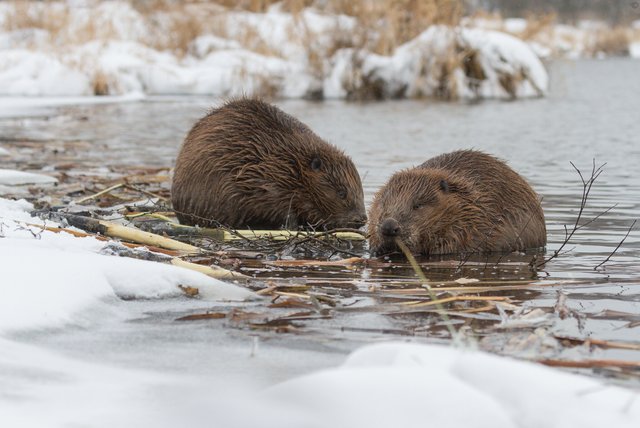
{"x": 274, "y": 53}
{"x": 52, "y": 281}
{"x": 71, "y": 272}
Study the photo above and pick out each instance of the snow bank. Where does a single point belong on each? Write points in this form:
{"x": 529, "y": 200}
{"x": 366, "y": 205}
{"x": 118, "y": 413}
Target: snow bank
{"x": 408, "y": 385}
{"x": 24, "y": 72}
{"x": 48, "y": 389}
{"x": 547, "y": 38}
{"x": 272, "y": 53}
{"x": 504, "y": 56}
{"x": 390, "y": 384}
{"x": 11, "y": 177}
{"x": 497, "y": 66}
{"x": 48, "y": 278}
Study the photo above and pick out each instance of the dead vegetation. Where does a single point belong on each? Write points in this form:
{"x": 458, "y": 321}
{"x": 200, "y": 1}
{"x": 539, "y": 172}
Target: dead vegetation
{"x": 610, "y": 42}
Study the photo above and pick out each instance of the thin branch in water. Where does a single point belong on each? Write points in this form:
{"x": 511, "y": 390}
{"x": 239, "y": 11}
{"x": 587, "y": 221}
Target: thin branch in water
{"x": 585, "y": 224}
{"x": 586, "y": 190}
{"x": 425, "y": 283}
{"x": 618, "y": 246}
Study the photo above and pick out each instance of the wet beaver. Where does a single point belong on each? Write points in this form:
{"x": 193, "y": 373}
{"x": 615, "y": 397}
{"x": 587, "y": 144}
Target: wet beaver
{"x": 248, "y": 164}
{"x": 461, "y": 202}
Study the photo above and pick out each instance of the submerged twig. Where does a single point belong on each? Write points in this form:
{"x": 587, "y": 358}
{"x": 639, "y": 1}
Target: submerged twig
{"x": 425, "y": 283}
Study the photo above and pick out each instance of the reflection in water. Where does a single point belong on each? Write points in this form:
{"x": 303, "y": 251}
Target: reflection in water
{"x": 585, "y": 119}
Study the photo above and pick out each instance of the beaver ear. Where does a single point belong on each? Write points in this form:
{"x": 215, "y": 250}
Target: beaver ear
{"x": 316, "y": 163}
{"x": 444, "y": 186}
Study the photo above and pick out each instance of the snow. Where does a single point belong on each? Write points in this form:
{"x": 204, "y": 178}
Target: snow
{"x": 401, "y": 384}
{"x": 380, "y": 385}
{"x": 634, "y": 50}
{"x": 17, "y": 106}
{"x": 24, "y": 72}
{"x": 502, "y": 54}
{"x": 12, "y": 178}
{"x": 515, "y": 25}
{"x": 48, "y": 278}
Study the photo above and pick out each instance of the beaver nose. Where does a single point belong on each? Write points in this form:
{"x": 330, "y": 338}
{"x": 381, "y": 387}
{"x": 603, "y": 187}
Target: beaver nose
{"x": 359, "y": 220}
{"x": 390, "y": 227}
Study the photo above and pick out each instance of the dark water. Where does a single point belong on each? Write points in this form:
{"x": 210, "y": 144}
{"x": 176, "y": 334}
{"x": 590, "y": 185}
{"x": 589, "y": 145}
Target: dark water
{"x": 591, "y": 117}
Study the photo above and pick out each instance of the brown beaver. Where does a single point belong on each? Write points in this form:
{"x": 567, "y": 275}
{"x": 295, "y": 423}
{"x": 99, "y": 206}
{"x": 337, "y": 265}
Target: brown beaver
{"x": 248, "y": 164}
{"x": 460, "y": 202}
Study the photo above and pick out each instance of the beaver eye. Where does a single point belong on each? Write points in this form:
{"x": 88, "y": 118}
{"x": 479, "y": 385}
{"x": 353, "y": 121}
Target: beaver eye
{"x": 444, "y": 186}
{"x": 418, "y": 205}
{"x": 316, "y": 164}
{"x": 342, "y": 194}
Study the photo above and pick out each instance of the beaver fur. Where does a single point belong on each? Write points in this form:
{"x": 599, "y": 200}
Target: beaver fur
{"x": 461, "y": 202}
{"x": 248, "y": 164}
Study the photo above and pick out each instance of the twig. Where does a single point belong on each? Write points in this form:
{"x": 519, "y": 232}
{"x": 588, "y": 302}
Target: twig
{"x": 418, "y": 304}
{"x": 618, "y": 246}
{"x": 100, "y": 193}
{"x": 214, "y": 272}
{"x": 586, "y": 190}
{"x": 146, "y": 192}
{"x": 425, "y": 283}
{"x": 589, "y": 364}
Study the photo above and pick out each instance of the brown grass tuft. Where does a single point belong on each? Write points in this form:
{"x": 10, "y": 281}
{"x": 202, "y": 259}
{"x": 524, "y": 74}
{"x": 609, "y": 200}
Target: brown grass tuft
{"x": 611, "y": 42}
{"x": 536, "y": 24}
{"x": 394, "y": 22}
{"x": 100, "y": 83}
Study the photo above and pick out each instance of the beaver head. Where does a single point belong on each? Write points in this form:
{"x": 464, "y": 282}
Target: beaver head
{"x": 430, "y": 210}
{"x": 327, "y": 190}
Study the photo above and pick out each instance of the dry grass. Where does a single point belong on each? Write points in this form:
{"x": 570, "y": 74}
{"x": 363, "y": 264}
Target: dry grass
{"x": 383, "y": 25}
{"x": 25, "y": 15}
{"x": 101, "y": 84}
{"x": 537, "y": 24}
{"x": 611, "y": 42}
{"x": 183, "y": 29}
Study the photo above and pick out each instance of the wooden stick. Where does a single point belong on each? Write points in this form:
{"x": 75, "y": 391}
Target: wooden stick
{"x": 418, "y": 304}
{"x": 115, "y": 230}
{"x": 588, "y": 364}
{"x": 283, "y": 235}
{"x": 344, "y": 262}
{"x": 214, "y": 272}
{"x": 601, "y": 343}
{"x": 221, "y": 234}
{"x": 100, "y": 193}
{"x": 77, "y": 234}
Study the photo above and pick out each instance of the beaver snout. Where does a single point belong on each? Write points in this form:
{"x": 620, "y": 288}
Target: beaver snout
{"x": 358, "y": 221}
{"x": 390, "y": 228}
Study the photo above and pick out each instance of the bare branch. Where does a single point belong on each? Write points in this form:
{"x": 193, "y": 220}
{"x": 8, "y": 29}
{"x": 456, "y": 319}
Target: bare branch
{"x": 587, "y": 185}
{"x": 618, "y": 246}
